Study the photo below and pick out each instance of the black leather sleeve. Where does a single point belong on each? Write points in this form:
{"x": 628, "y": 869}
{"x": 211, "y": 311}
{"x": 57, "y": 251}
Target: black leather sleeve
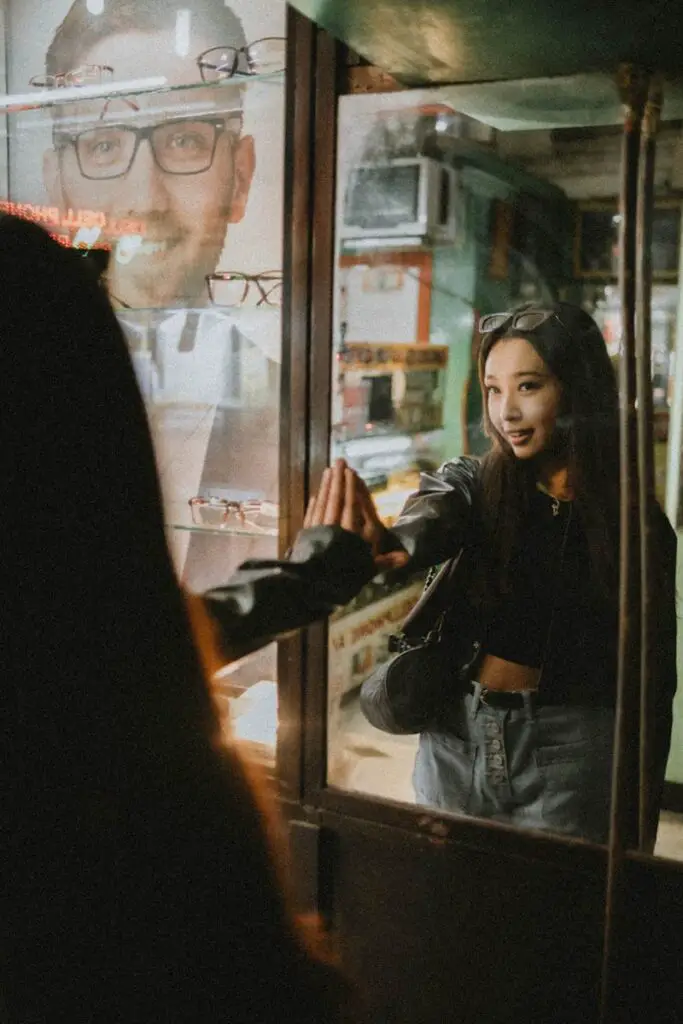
{"x": 265, "y": 600}
{"x": 439, "y": 518}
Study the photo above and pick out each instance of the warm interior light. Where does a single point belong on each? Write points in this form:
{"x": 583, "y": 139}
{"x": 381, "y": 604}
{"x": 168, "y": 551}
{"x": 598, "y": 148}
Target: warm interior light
{"x": 254, "y": 714}
{"x": 182, "y": 32}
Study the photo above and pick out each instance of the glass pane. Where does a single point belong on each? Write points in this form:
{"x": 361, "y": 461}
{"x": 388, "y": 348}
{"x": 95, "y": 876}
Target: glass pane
{"x": 454, "y": 204}
{"x": 667, "y": 383}
{"x": 174, "y": 179}
{"x": 598, "y": 234}
{"x": 3, "y": 120}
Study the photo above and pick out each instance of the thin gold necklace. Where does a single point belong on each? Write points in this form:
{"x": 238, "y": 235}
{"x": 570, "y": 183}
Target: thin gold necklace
{"x": 555, "y": 501}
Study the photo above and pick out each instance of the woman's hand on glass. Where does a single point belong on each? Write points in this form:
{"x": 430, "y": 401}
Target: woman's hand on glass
{"x": 336, "y": 501}
{"x": 343, "y": 500}
{"x": 374, "y": 531}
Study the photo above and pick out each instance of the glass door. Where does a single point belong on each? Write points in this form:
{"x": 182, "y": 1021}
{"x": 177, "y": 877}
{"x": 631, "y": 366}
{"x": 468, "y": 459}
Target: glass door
{"x": 454, "y": 203}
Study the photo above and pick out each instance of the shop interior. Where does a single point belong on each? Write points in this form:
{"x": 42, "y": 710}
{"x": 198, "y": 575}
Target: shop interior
{"x": 453, "y": 202}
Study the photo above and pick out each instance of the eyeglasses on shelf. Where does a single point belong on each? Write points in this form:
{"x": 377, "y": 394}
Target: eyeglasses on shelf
{"x": 86, "y": 74}
{"x": 231, "y": 287}
{"x": 264, "y": 56}
{"x": 253, "y": 515}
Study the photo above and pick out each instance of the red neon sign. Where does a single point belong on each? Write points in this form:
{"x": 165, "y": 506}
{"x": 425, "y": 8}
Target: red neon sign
{"x": 74, "y": 220}
{"x": 65, "y": 240}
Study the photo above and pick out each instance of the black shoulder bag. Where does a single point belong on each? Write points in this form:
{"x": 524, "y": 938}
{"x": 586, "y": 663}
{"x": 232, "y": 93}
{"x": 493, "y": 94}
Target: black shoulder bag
{"x": 405, "y": 694}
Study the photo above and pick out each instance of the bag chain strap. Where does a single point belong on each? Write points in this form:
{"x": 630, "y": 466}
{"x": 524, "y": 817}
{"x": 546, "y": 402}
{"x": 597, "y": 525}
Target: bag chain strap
{"x": 401, "y": 643}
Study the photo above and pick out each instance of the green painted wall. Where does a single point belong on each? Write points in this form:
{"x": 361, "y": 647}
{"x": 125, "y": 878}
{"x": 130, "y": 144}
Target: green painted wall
{"x": 454, "y": 275}
{"x": 462, "y": 287}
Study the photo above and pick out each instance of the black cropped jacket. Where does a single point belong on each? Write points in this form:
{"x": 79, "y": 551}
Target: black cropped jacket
{"x": 443, "y": 518}
{"x": 267, "y": 599}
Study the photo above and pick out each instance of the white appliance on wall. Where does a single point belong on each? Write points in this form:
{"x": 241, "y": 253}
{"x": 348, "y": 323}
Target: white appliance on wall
{"x": 402, "y": 201}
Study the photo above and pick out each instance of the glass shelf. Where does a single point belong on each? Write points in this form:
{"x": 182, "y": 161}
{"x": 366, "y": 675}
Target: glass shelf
{"x": 41, "y": 99}
{"x": 215, "y": 519}
{"x": 533, "y": 104}
{"x": 145, "y": 314}
{"x": 230, "y": 531}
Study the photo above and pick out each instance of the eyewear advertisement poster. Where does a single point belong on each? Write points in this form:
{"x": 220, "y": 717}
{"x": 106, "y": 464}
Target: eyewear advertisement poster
{"x": 156, "y": 133}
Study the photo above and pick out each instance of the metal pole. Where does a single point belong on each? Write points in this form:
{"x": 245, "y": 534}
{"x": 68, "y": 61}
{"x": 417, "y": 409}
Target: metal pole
{"x": 633, "y": 85}
{"x": 645, "y": 440}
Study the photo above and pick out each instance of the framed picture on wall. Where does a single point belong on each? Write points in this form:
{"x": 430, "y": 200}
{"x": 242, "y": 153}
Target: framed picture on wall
{"x": 502, "y": 227}
{"x": 596, "y": 244}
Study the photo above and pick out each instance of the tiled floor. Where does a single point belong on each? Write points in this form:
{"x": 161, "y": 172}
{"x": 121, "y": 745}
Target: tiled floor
{"x": 368, "y": 761}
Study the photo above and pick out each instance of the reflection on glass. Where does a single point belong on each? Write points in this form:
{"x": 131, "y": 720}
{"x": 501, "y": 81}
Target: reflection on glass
{"x": 164, "y": 176}
{"x": 481, "y": 347}
{"x": 87, "y": 74}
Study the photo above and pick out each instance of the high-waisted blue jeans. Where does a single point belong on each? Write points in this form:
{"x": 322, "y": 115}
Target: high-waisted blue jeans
{"x": 540, "y": 767}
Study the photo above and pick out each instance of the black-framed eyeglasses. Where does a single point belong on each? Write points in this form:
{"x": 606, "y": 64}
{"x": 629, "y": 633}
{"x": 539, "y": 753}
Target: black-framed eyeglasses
{"x": 264, "y": 56}
{"x": 180, "y": 146}
{"x": 231, "y": 287}
{"x": 524, "y": 320}
{"x": 86, "y": 74}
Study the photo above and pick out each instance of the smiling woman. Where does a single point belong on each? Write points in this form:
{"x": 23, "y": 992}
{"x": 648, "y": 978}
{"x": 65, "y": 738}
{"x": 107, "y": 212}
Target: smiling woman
{"x": 522, "y": 729}
{"x": 563, "y": 415}
{"x": 523, "y": 398}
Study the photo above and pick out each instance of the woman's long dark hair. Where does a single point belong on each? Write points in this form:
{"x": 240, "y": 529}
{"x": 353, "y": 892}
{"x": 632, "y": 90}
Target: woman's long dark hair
{"x": 136, "y": 882}
{"x": 573, "y": 348}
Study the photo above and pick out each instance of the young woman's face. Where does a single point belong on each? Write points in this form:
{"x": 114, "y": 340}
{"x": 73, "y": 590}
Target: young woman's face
{"x": 523, "y": 396}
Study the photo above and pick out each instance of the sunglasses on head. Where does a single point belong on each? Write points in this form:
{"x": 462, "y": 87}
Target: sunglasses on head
{"x": 524, "y": 320}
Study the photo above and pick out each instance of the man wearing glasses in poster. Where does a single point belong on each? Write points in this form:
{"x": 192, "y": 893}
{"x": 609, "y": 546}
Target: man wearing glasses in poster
{"x": 179, "y": 163}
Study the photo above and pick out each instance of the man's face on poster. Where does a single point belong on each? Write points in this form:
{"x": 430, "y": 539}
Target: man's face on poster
{"x": 185, "y": 213}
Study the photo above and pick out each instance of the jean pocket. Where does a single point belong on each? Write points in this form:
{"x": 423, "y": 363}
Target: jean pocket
{"x": 576, "y": 781}
{"x": 444, "y": 771}
{"x": 562, "y": 753}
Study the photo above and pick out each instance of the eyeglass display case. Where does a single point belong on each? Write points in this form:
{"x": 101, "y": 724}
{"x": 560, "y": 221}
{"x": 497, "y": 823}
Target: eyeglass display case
{"x": 159, "y": 150}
